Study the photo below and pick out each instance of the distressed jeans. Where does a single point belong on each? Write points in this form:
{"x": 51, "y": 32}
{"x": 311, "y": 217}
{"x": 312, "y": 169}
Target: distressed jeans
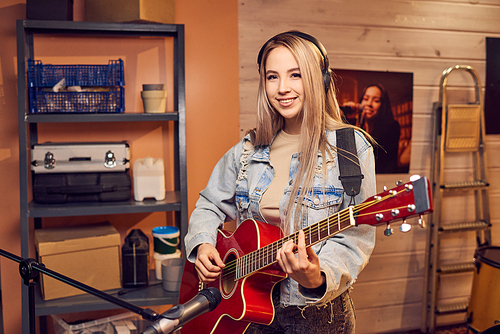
{"x": 337, "y": 316}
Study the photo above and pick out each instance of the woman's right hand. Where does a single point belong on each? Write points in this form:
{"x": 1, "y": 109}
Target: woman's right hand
{"x": 352, "y": 105}
{"x": 208, "y": 263}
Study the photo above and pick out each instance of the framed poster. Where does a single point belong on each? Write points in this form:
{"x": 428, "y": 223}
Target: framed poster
{"x": 381, "y": 103}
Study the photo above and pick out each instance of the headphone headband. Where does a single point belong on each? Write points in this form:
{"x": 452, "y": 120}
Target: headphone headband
{"x": 307, "y": 37}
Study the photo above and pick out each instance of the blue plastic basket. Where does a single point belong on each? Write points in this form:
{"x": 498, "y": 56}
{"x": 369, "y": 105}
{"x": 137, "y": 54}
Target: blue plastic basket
{"x": 40, "y": 75}
{"x": 110, "y": 101}
{"x": 102, "y": 85}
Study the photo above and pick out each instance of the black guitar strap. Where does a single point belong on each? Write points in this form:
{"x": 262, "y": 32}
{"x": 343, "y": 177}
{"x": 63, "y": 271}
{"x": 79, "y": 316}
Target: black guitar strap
{"x": 350, "y": 170}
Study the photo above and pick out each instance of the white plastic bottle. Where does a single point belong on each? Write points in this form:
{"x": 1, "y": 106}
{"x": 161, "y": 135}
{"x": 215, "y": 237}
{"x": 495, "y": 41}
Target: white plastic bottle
{"x": 149, "y": 179}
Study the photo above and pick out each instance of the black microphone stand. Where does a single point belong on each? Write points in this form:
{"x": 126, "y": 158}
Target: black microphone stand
{"x": 30, "y": 269}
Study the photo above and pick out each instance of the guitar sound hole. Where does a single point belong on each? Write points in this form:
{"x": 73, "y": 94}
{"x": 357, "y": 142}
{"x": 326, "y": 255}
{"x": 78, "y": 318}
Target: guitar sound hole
{"x": 228, "y": 274}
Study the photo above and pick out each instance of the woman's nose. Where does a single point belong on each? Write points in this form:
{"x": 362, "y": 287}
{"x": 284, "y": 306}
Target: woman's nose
{"x": 284, "y": 86}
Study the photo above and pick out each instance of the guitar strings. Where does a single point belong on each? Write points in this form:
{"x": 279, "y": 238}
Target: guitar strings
{"x": 256, "y": 257}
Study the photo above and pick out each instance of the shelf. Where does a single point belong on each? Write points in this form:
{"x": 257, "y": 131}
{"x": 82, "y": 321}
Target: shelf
{"x": 450, "y": 308}
{"x": 172, "y": 202}
{"x": 152, "y": 295}
{"x": 118, "y": 117}
{"x": 68, "y": 27}
{"x": 175, "y": 201}
{"x": 465, "y": 226}
{"x": 456, "y": 268}
{"x": 468, "y": 185}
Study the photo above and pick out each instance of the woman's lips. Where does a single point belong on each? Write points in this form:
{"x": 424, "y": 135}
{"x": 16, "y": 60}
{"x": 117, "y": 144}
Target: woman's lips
{"x": 286, "y": 102}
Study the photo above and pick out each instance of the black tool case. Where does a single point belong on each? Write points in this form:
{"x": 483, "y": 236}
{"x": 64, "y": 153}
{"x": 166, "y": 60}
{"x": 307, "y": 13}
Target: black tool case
{"x": 56, "y": 188}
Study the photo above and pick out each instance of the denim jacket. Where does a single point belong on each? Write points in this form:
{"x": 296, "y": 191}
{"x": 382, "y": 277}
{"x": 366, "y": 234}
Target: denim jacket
{"x": 234, "y": 191}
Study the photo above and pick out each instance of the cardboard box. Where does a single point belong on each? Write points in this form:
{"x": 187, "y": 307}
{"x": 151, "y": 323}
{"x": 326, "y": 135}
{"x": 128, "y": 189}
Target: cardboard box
{"x": 160, "y": 11}
{"x": 89, "y": 254}
{"x": 120, "y": 323}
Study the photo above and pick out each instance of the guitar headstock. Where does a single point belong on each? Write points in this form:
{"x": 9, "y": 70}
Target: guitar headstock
{"x": 403, "y": 201}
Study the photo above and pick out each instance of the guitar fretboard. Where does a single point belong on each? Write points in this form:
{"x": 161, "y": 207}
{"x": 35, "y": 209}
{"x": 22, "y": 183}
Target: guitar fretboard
{"x": 265, "y": 256}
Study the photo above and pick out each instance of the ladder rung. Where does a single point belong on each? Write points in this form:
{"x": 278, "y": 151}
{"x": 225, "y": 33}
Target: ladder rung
{"x": 465, "y": 226}
{"x": 456, "y": 268}
{"x": 452, "y": 308}
{"x": 466, "y": 185}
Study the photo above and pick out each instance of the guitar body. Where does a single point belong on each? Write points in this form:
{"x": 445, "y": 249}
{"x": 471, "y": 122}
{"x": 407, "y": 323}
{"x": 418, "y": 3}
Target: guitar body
{"x": 245, "y": 300}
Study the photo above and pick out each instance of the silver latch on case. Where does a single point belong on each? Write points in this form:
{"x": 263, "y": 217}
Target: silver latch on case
{"x": 109, "y": 160}
{"x": 49, "y": 162}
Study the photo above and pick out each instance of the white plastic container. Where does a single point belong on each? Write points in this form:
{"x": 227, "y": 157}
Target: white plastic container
{"x": 166, "y": 241}
{"x": 149, "y": 179}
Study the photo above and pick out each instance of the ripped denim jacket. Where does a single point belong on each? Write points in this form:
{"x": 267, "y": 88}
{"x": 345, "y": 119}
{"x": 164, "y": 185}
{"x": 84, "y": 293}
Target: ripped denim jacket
{"x": 234, "y": 191}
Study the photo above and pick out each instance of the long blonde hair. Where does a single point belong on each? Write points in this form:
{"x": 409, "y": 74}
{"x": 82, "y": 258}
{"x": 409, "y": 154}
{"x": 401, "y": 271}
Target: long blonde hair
{"x": 321, "y": 111}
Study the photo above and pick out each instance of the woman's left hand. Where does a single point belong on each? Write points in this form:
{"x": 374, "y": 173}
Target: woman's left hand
{"x": 303, "y": 268}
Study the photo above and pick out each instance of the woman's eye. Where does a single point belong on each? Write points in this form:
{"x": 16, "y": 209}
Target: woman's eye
{"x": 296, "y": 75}
{"x": 271, "y": 77}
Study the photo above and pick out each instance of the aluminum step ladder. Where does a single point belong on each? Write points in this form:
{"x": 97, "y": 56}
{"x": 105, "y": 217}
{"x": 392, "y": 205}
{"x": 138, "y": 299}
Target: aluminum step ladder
{"x": 458, "y": 131}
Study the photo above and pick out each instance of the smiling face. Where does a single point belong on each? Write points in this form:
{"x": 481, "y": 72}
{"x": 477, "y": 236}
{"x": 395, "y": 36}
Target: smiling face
{"x": 284, "y": 87}
{"x": 371, "y": 102}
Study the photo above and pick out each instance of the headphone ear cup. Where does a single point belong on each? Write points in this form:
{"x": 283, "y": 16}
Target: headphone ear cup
{"x": 327, "y": 78}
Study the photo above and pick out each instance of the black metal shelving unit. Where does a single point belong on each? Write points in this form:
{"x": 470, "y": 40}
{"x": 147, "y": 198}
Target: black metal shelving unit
{"x": 175, "y": 201}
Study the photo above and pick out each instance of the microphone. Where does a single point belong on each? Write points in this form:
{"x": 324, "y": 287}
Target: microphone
{"x": 171, "y": 320}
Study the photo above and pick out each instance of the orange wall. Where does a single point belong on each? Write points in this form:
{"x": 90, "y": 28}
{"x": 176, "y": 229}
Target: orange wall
{"x": 211, "y": 29}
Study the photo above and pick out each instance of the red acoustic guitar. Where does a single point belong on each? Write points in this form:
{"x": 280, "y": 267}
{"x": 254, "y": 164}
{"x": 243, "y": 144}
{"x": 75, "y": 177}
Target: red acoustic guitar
{"x": 251, "y": 269}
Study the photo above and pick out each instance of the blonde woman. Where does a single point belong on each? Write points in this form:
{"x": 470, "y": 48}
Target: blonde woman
{"x": 285, "y": 173}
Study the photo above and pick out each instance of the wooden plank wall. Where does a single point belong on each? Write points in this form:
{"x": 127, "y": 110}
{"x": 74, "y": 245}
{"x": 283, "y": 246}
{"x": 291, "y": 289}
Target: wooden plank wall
{"x": 422, "y": 37}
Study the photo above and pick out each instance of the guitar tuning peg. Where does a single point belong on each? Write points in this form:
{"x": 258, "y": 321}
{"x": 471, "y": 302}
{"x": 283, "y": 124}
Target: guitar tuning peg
{"x": 385, "y": 188}
{"x": 388, "y": 231}
{"x": 414, "y": 177}
{"x": 421, "y": 221}
{"x": 399, "y": 182}
{"x": 405, "y": 227}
